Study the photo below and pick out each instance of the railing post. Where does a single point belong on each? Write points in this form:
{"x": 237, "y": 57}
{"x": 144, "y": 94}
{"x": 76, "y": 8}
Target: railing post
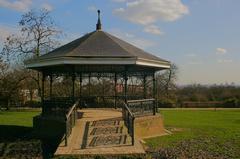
{"x": 80, "y": 90}
{"x": 153, "y": 108}
{"x": 133, "y": 118}
{"x": 66, "y": 136}
{"x": 115, "y": 90}
{"x": 125, "y": 86}
{"x": 154, "y": 94}
{"x": 74, "y": 118}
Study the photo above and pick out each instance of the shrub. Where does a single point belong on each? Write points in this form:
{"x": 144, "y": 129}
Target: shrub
{"x": 232, "y": 103}
{"x": 166, "y": 103}
{"x": 33, "y": 104}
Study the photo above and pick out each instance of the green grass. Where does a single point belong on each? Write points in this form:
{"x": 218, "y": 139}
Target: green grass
{"x": 221, "y": 126}
{"x": 18, "y": 118}
{"x": 16, "y": 128}
{"x": 217, "y": 131}
{"x": 16, "y": 125}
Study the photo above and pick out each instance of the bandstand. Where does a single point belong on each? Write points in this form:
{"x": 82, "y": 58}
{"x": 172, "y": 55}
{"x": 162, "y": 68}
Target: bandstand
{"x": 96, "y": 57}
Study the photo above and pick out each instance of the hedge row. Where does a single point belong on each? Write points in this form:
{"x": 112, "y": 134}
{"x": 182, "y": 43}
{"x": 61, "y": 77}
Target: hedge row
{"x": 228, "y": 103}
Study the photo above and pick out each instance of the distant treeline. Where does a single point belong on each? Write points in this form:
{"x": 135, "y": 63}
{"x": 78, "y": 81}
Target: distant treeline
{"x": 202, "y": 96}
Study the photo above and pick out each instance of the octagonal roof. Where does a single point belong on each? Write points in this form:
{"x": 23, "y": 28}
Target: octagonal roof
{"x": 98, "y": 48}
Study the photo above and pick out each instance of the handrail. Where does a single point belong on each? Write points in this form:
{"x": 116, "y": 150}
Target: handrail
{"x": 140, "y": 100}
{"x": 129, "y": 111}
{"x": 70, "y": 121}
{"x": 128, "y": 118}
{"x": 72, "y": 109}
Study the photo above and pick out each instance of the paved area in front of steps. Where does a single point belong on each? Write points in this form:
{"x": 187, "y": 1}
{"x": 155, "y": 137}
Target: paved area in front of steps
{"x": 99, "y": 132}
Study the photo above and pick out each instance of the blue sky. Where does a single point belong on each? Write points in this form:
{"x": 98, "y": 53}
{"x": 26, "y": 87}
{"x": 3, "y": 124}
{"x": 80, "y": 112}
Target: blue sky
{"x": 200, "y": 36}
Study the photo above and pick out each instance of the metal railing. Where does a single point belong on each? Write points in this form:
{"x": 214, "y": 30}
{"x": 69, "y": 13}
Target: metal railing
{"x": 70, "y": 121}
{"x": 128, "y": 118}
{"x": 57, "y": 107}
{"x": 142, "y": 107}
{"x": 106, "y": 101}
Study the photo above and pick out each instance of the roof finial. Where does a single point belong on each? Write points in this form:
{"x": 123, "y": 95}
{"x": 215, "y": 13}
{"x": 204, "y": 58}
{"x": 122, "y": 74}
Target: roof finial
{"x": 99, "y": 25}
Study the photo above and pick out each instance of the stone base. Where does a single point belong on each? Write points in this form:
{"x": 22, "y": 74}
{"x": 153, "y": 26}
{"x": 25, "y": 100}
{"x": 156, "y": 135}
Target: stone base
{"x": 48, "y": 126}
{"x": 149, "y": 126}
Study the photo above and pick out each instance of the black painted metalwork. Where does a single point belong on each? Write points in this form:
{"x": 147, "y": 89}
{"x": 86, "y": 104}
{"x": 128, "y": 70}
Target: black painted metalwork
{"x": 89, "y": 84}
{"x": 73, "y": 86}
{"x": 142, "y": 107}
{"x": 70, "y": 121}
{"x": 115, "y": 90}
{"x": 43, "y": 85}
{"x": 56, "y": 107}
{"x": 99, "y": 25}
{"x": 144, "y": 87}
{"x": 154, "y": 93}
{"x": 51, "y": 82}
{"x": 80, "y": 87}
{"x": 125, "y": 86}
{"x": 128, "y": 118}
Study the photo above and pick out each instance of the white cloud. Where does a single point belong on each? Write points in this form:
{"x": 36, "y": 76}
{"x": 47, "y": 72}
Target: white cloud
{"x": 131, "y": 38}
{"x": 191, "y": 55}
{"x": 92, "y": 8}
{"x": 224, "y": 60}
{"x": 119, "y": 1}
{"x": 221, "y": 51}
{"x": 18, "y": 5}
{"x": 146, "y": 12}
{"x": 195, "y": 62}
{"x": 47, "y": 6}
{"x": 153, "y": 29}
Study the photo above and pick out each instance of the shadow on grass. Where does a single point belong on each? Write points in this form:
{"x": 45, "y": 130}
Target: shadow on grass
{"x": 11, "y": 134}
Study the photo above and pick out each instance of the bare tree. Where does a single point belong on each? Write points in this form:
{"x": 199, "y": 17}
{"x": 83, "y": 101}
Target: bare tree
{"x": 10, "y": 83}
{"x": 38, "y": 35}
{"x": 167, "y": 80}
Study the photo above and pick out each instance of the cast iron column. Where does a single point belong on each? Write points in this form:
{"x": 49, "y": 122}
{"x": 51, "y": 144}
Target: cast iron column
{"x": 73, "y": 87}
{"x": 154, "y": 94}
{"x": 51, "y": 81}
{"x": 43, "y": 80}
{"x": 115, "y": 90}
{"x": 156, "y": 90}
{"x": 144, "y": 87}
{"x": 89, "y": 82}
{"x": 125, "y": 86}
{"x": 80, "y": 89}
{"x": 42, "y": 95}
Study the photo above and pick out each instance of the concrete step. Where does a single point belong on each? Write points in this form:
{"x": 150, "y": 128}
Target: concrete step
{"x": 104, "y": 133}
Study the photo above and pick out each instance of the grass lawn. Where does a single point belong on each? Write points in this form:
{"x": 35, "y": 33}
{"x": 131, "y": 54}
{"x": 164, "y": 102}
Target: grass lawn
{"x": 215, "y": 131}
{"x": 17, "y": 118}
{"x": 16, "y": 124}
{"x": 17, "y": 136}
{"x": 16, "y": 139}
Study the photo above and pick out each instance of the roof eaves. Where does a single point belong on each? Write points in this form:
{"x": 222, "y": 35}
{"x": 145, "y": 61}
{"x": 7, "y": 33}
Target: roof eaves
{"x": 155, "y": 63}
{"x": 81, "y": 60}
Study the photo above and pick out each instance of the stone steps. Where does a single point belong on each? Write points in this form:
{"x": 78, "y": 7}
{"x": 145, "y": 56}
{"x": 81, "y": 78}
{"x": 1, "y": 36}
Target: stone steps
{"x": 105, "y": 133}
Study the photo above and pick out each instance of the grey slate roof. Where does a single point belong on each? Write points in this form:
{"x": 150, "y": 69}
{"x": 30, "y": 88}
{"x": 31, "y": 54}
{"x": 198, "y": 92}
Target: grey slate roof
{"x": 99, "y": 44}
{"x": 98, "y": 48}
